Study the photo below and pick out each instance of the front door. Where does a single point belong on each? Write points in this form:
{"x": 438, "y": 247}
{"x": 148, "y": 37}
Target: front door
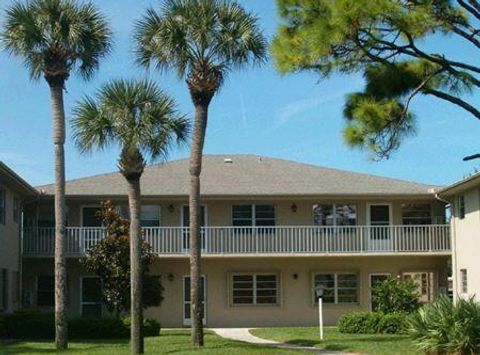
{"x": 186, "y": 224}
{"x": 375, "y": 279}
{"x": 187, "y": 321}
{"x": 379, "y": 216}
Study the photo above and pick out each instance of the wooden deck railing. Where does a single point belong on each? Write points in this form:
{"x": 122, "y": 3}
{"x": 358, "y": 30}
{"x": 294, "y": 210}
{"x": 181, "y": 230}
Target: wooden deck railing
{"x": 260, "y": 240}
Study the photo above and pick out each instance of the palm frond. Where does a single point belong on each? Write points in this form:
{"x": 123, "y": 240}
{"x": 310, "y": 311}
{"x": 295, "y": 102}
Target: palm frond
{"x": 199, "y": 39}
{"x": 56, "y": 37}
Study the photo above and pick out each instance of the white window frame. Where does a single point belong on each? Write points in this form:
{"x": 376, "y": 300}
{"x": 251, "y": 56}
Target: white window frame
{"x": 81, "y": 295}
{"x": 335, "y": 286}
{"x": 390, "y": 211}
{"x": 334, "y": 206}
{"x": 159, "y": 214}
{"x": 254, "y": 295}
{"x": 254, "y": 219}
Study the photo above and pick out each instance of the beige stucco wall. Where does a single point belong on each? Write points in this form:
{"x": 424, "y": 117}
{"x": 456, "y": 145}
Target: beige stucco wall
{"x": 10, "y": 250}
{"x": 466, "y": 243}
{"x": 219, "y": 210}
{"x": 296, "y": 304}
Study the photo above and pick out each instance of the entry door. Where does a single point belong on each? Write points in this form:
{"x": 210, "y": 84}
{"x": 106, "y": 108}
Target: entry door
{"x": 186, "y": 223}
{"x": 379, "y": 217}
{"x": 187, "y": 321}
{"x": 375, "y": 279}
{"x": 91, "y": 222}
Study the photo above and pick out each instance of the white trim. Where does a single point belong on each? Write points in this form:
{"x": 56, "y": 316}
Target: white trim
{"x": 388, "y": 274}
{"x": 188, "y": 322}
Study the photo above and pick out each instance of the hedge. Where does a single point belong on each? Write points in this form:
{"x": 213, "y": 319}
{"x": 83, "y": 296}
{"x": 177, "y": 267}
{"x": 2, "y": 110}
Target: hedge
{"x": 36, "y": 325}
{"x": 372, "y": 323}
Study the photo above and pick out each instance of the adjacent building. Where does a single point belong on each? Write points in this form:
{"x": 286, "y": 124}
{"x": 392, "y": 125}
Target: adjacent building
{"x": 14, "y": 193}
{"x": 464, "y": 197}
{"x": 272, "y": 230}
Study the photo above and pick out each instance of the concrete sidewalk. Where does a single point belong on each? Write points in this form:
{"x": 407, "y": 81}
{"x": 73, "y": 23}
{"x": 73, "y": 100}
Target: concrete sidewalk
{"x": 243, "y": 334}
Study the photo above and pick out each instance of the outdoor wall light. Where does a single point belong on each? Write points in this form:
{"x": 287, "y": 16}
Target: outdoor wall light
{"x": 171, "y": 208}
{"x": 170, "y": 277}
{"x": 295, "y": 276}
{"x": 294, "y": 207}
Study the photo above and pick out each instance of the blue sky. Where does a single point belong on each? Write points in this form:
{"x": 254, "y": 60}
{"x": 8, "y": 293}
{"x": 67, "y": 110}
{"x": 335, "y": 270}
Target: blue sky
{"x": 257, "y": 111}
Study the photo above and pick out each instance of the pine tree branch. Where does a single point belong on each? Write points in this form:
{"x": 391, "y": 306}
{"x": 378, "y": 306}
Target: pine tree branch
{"x": 454, "y": 100}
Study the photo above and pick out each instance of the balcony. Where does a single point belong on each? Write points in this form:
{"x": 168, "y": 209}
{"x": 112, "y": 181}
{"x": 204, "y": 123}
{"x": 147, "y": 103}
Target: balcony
{"x": 261, "y": 241}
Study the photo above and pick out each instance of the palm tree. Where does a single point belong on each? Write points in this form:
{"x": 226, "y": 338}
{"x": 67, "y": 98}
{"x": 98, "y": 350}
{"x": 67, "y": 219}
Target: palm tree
{"x": 143, "y": 121}
{"x": 55, "y": 38}
{"x": 202, "y": 40}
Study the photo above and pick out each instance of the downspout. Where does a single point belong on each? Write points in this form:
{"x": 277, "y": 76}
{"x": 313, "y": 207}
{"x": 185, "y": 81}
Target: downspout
{"x": 453, "y": 245}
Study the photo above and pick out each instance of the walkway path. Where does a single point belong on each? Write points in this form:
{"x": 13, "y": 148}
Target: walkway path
{"x": 242, "y": 334}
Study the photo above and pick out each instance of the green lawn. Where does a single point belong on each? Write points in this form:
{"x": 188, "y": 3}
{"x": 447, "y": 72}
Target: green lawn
{"x": 170, "y": 342}
{"x": 381, "y": 344}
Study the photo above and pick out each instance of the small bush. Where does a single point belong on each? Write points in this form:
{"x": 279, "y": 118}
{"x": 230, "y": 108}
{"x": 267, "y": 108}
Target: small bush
{"x": 32, "y": 324}
{"x": 395, "y": 295}
{"x": 372, "y": 323}
{"x": 151, "y": 328}
{"x": 97, "y": 328}
{"x": 3, "y": 327}
{"x": 446, "y": 328}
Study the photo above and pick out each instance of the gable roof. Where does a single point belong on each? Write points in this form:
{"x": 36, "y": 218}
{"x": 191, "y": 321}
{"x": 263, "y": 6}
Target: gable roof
{"x": 460, "y": 186}
{"x": 246, "y": 175}
{"x": 14, "y": 181}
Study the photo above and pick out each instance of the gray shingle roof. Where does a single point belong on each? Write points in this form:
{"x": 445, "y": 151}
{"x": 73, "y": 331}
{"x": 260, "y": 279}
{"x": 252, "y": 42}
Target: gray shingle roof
{"x": 248, "y": 175}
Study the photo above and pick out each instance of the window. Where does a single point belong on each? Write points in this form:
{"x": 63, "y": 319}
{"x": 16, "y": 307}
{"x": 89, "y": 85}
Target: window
{"x": 2, "y": 206}
{"x": 16, "y": 210}
{"x": 464, "y": 280}
{"x": 45, "y": 291}
{"x": 91, "y": 296}
{"x": 255, "y": 289}
{"x": 424, "y": 281}
{"x": 150, "y": 216}
{"x": 461, "y": 207}
{"x": 338, "y": 288}
{"x": 253, "y": 215}
{"x": 90, "y": 218}
{"x": 334, "y": 215}
{"x": 416, "y": 213}
{"x": 46, "y": 216}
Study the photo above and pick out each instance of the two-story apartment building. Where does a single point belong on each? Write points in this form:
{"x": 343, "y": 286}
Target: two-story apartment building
{"x": 14, "y": 192}
{"x": 464, "y": 197}
{"x": 272, "y": 230}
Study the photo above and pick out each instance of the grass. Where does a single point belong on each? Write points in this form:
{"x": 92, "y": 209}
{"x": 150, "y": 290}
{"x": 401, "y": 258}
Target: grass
{"x": 375, "y": 344}
{"x": 170, "y": 342}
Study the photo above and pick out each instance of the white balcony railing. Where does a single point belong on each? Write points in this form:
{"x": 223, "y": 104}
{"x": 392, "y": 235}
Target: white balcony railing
{"x": 260, "y": 240}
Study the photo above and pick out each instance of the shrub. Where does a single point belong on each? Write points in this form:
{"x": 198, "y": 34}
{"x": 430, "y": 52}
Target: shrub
{"x": 151, "y": 327}
{"x": 36, "y": 325}
{"x": 395, "y": 295}
{"x": 372, "y": 323}
{"x": 447, "y": 328}
{"x": 3, "y": 327}
{"x": 97, "y": 328}
{"x": 30, "y": 324}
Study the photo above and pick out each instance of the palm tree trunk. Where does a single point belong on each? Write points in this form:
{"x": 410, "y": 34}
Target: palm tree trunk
{"x": 134, "y": 200}
{"x": 198, "y": 139}
{"x": 61, "y": 330}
